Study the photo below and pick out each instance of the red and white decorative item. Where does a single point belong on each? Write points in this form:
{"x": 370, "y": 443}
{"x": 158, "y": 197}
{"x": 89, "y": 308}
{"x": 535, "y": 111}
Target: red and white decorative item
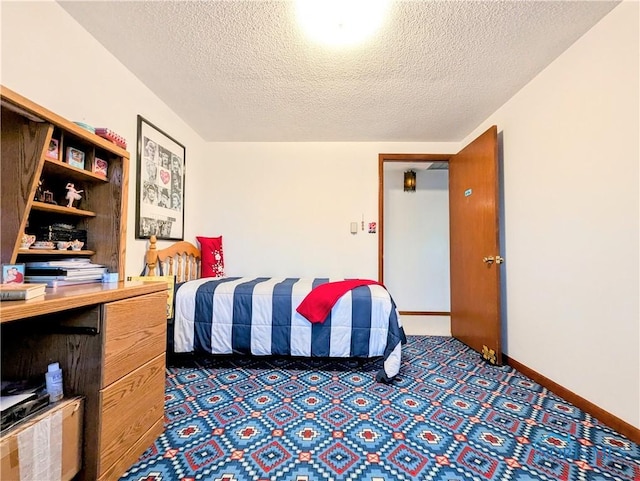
{"x": 111, "y": 136}
{"x": 99, "y": 166}
{"x": 212, "y": 256}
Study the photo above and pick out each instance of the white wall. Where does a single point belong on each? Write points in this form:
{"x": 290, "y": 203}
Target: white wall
{"x": 571, "y": 155}
{"x": 416, "y": 240}
{"x": 285, "y": 208}
{"x": 50, "y": 59}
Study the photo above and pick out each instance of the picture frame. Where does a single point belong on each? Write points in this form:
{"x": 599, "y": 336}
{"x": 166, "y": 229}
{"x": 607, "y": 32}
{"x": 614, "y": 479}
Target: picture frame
{"x": 99, "y": 166}
{"x": 160, "y": 184}
{"x": 53, "y": 151}
{"x": 12, "y": 273}
{"x": 75, "y": 157}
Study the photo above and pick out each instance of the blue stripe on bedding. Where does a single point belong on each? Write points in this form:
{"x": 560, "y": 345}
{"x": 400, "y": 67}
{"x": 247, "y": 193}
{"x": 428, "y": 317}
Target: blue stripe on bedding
{"x": 361, "y": 321}
{"x": 282, "y": 309}
{"x": 395, "y": 334}
{"x": 242, "y": 315}
{"x": 321, "y": 332}
{"x": 204, "y": 308}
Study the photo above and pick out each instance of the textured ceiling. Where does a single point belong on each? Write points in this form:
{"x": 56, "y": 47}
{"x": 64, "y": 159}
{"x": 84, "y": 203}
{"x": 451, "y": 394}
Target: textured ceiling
{"x": 243, "y": 71}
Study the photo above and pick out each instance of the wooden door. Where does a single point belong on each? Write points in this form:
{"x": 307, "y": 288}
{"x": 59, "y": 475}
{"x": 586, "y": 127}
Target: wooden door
{"x": 475, "y": 246}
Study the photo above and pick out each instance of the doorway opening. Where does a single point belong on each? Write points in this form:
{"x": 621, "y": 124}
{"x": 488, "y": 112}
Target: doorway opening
{"x": 474, "y": 241}
{"x": 413, "y": 240}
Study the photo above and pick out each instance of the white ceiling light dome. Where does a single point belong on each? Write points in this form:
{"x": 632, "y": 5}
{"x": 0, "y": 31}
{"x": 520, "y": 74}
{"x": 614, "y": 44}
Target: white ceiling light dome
{"x": 341, "y": 22}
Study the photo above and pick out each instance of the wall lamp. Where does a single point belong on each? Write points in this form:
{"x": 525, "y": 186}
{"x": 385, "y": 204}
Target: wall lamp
{"x": 410, "y": 181}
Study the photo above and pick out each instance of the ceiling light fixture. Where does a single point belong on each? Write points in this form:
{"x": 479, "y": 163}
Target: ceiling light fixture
{"x": 341, "y": 22}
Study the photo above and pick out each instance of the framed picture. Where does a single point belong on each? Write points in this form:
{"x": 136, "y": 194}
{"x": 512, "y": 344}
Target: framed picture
{"x": 12, "y": 273}
{"x": 99, "y": 166}
{"x": 53, "y": 151}
{"x": 159, "y": 184}
{"x": 75, "y": 157}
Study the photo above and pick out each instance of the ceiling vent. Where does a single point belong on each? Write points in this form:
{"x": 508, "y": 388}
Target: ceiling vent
{"x": 439, "y": 166}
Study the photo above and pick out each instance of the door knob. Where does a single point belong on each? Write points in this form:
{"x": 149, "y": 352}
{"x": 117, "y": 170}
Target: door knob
{"x": 488, "y": 260}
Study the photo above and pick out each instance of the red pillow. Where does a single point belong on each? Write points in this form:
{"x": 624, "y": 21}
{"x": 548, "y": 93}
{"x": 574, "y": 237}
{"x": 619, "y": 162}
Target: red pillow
{"x": 212, "y": 257}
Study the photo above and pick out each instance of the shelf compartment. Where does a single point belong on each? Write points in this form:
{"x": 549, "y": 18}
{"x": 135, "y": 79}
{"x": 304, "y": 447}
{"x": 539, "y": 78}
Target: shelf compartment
{"x": 60, "y": 168}
{"x": 60, "y": 209}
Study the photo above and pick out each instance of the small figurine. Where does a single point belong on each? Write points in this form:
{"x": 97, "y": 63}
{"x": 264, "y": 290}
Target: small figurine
{"x": 39, "y": 193}
{"x": 26, "y": 241}
{"x": 72, "y": 194}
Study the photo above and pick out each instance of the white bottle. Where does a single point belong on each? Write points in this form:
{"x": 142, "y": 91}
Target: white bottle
{"x": 53, "y": 379}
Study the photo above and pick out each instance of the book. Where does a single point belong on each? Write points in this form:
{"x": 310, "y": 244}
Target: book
{"x": 21, "y": 292}
{"x": 62, "y": 272}
{"x": 74, "y": 263}
{"x": 59, "y": 281}
{"x": 71, "y": 262}
{"x": 47, "y": 278}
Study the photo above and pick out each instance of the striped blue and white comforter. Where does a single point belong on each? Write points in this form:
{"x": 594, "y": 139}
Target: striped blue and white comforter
{"x": 258, "y": 316}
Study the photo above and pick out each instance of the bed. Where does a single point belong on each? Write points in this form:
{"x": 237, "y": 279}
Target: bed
{"x": 264, "y": 316}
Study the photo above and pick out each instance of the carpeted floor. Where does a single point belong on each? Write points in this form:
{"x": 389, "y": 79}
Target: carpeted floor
{"x": 448, "y": 416}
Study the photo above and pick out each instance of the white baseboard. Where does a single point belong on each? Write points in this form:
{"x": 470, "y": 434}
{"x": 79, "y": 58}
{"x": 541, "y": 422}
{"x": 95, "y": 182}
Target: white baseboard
{"x": 426, "y": 325}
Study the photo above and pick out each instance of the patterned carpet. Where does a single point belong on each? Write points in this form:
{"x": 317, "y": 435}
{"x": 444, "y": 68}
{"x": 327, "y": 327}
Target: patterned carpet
{"x": 448, "y": 416}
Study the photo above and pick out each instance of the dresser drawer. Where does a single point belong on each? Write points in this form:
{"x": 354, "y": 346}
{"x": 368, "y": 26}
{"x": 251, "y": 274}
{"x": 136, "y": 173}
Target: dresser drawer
{"x": 134, "y": 332}
{"x": 130, "y": 407}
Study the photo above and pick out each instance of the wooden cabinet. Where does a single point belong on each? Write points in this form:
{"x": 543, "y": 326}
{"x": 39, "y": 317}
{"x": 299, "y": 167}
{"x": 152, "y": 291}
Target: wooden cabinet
{"x": 28, "y": 174}
{"x": 108, "y": 338}
{"x": 110, "y": 342}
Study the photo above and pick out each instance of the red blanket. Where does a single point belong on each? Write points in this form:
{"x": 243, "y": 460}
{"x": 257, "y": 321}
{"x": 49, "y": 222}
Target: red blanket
{"x": 317, "y": 305}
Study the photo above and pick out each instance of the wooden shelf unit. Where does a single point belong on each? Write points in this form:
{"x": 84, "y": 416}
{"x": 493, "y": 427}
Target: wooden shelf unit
{"x": 27, "y": 129}
{"x": 110, "y": 339}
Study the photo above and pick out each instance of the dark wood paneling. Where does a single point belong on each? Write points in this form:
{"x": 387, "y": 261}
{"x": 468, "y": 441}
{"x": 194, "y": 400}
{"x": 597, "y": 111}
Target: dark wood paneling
{"x": 22, "y": 143}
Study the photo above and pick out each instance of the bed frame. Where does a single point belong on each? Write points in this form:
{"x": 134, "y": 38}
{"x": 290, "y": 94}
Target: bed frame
{"x": 181, "y": 259}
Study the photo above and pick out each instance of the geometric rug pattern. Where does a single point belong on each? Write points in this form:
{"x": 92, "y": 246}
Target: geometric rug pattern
{"x": 448, "y": 415}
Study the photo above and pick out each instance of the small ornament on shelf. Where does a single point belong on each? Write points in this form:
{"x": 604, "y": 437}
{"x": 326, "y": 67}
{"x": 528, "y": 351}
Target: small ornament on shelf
{"x": 72, "y": 194}
{"x": 99, "y": 166}
{"x": 27, "y": 240}
{"x": 75, "y": 157}
{"x": 53, "y": 151}
{"x": 39, "y": 196}
{"x": 48, "y": 197}
{"x": 76, "y": 245}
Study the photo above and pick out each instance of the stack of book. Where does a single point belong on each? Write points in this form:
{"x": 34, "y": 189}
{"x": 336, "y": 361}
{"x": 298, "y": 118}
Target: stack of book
{"x": 64, "y": 272}
{"x": 21, "y": 292}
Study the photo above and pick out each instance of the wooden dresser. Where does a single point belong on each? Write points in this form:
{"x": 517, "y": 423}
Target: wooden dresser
{"x": 110, "y": 341}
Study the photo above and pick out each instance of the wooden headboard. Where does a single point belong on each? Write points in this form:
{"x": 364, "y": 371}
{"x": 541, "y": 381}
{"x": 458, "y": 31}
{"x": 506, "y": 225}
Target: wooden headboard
{"x": 181, "y": 259}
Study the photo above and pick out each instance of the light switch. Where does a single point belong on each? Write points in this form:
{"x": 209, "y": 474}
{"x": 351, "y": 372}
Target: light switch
{"x": 354, "y": 227}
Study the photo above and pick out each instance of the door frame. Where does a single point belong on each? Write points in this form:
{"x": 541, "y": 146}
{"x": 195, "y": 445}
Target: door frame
{"x": 396, "y": 158}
